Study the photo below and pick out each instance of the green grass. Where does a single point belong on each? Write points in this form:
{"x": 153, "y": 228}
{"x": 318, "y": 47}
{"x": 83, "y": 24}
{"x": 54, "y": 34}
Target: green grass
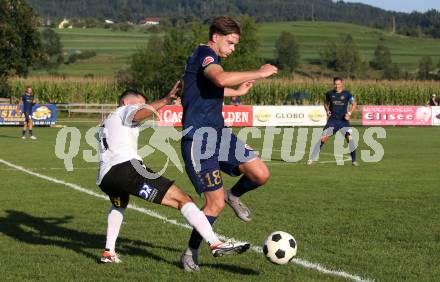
{"x": 113, "y": 48}
{"x": 313, "y": 36}
{"x": 380, "y": 221}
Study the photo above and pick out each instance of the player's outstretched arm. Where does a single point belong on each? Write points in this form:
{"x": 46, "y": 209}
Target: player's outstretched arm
{"x": 17, "y": 107}
{"x": 327, "y": 108}
{"x": 221, "y": 78}
{"x": 156, "y": 105}
{"x": 353, "y": 108}
{"x": 241, "y": 90}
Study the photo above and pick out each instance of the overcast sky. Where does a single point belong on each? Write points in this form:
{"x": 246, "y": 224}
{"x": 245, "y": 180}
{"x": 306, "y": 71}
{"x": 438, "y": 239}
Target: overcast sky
{"x": 402, "y": 5}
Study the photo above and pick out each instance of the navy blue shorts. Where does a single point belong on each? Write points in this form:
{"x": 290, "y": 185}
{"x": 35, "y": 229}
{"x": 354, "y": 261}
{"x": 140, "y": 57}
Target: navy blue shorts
{"x": 27, "y": 116}
{"x": 334, "y": 126}
{"x": 205, "y": 158}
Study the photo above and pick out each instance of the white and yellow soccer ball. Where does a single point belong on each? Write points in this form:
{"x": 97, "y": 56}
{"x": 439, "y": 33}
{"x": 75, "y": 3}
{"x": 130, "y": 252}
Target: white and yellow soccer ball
{"x": 280, "y": 247}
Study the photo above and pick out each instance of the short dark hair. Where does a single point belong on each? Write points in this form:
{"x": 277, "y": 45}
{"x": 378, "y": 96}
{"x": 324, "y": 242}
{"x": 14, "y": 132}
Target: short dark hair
{"x": 130, "y": 92}
{"x": 224, "y": 25}
{"x": 336, "y": 78}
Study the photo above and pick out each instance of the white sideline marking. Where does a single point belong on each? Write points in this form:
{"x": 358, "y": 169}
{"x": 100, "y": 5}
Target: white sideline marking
{"x": 298, "y": 261}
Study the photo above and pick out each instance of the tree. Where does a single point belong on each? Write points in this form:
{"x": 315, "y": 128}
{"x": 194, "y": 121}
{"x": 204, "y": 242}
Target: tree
{"x": 177, "y": 47}
{"x": 52, "y": 48}
{"x": 145, "y": 64}
{"x": 382, "y": 57}
{"x": 343, "y": 55}
{"x": 287, "y": 51}
{"x": 392, "y": 72}
{"x": 157, "y": 66}
{"x": 199, "y": 33}
{"x": 329, "y": 55}
{"x": 438, "y": 70}
{"x": 124, "y": 16}
{"x": 349, "y": 58}
{"x": 425, "y": 68}
{"x": 20, "y": 46}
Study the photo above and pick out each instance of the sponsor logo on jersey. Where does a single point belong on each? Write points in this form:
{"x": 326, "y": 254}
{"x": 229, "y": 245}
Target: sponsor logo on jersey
{"x": 207, "y": 61}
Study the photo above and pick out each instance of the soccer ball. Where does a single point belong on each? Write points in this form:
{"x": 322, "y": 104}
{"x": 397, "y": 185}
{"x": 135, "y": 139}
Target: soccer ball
{"x": 280, "y": 247}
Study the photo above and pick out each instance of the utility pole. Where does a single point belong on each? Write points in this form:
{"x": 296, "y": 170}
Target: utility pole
{"x": 394, "y": 24}
{"x": 313, "y": 12}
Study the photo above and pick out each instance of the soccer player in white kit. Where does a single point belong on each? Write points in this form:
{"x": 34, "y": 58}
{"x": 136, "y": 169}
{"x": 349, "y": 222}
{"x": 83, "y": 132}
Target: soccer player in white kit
{"x": 122, "y": 173}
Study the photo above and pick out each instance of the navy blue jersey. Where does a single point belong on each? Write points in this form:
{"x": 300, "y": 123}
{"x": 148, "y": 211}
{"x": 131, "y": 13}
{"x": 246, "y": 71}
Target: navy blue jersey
{"x": 28, "y": 103}
{"x": 338, "y": 103}
{"x": 202, "y": 100}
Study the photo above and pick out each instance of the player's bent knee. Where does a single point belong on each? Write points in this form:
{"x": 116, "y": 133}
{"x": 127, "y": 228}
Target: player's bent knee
{"x": 183, "y": 200}
{"x": 176, "y": 198}
{"x": 214, "y": 208}
{"x": 259, "y": 175}
{"x": 262, "y": 177}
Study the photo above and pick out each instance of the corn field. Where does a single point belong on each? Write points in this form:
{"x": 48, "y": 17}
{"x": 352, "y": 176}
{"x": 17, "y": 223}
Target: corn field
{"x": 265, "y": 92}
{"x": 68, "y": 90}
{"x": 277, "y": 91}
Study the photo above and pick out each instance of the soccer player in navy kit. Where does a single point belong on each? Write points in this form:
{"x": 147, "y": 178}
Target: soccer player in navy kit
{"x": 336, "y": 105}
{"x": 28, "y": 101}
{"x": 205, "y": 85}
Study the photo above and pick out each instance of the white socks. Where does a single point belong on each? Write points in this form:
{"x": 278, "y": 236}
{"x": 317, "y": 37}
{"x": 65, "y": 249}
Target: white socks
{"x": 197, "y": 219}
{"x": 193, "y": 215}
{"x": 114, "y": 221}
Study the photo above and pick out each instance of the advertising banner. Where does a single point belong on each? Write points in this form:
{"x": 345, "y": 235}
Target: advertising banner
{"x": 289, "y": 116}
{"x": 396, "y": 115}
{"x": 435, "y": 116}
{"x": 41, "y": 114}
{"x": 233, "y": 115}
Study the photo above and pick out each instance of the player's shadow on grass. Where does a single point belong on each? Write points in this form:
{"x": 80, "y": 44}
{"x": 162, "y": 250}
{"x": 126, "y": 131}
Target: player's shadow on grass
{"x": 9, "y": 136}
{"x": 49, "y": 231}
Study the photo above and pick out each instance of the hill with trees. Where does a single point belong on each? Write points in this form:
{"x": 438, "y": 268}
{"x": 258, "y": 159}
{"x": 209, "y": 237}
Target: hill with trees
{"x": 414, "y": 24}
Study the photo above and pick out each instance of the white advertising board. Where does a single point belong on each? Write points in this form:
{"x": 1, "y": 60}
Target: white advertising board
{"x": 289, "y": 116}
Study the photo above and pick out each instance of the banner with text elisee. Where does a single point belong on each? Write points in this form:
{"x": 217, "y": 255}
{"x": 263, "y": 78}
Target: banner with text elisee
{"x": 233, "y": 115}
{"x": 41, "y": 114}
{"x": 435, "y": 116}
{"x": 397, "y": 115}
{"x": 289, "y": 116}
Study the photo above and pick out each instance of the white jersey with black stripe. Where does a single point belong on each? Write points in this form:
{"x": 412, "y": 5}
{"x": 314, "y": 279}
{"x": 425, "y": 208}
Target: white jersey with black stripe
{"x": 118, "y": 139}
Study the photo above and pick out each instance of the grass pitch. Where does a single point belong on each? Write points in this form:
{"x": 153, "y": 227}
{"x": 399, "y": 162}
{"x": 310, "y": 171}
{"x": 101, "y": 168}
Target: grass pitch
{"x": 379, "y": 221}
